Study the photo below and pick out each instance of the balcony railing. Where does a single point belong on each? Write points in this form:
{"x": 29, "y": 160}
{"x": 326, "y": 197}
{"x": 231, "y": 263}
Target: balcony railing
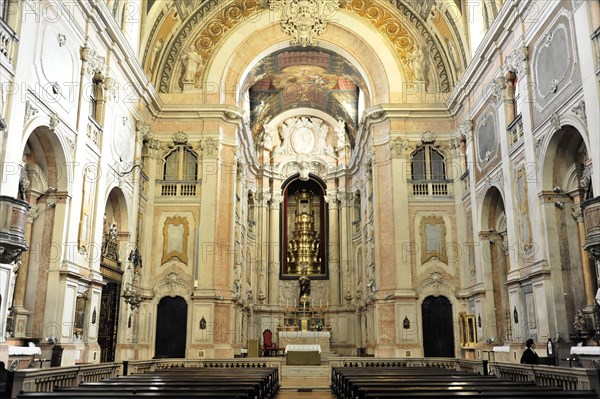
{"x": 7, "y": 38}
{"x": 515, "y": 131}
{"x": 179, "y": 188}
{"x": 94, "y": 131}
{"x": 434, "y": 188}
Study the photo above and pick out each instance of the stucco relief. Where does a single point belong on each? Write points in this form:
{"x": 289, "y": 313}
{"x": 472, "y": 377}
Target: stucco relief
{"x": 176, "y": 233}
{"x": 486, "y": 137}
{"x": 303, "y": 20}
{"x": 304, "y": 136}
{"x": 552, "y": 65}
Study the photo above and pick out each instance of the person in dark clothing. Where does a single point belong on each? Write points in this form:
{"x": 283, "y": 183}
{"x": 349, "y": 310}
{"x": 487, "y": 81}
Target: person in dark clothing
{"x": 529, "y": 356}
{"x": 5, "y": 381}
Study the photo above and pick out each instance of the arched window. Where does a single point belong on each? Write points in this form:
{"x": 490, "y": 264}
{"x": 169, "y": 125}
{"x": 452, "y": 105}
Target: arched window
{"x": 428, "y": 164}
{"x": 428, "y": 172}
{"x": 181, "y": 164}
{"x": 180, "y": 173}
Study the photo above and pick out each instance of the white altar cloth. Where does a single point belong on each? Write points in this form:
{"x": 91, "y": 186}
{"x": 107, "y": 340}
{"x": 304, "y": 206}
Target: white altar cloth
{"x": 504, "y": 348}
{"x": 585, "y": 350}
{"x": 24, "y": 350}
{"x": 320, "y": 338}
{"x": 303, "y": 348}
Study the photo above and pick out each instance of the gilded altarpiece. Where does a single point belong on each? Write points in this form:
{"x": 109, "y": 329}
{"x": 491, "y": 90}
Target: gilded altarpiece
{"x": 304, "y": 230}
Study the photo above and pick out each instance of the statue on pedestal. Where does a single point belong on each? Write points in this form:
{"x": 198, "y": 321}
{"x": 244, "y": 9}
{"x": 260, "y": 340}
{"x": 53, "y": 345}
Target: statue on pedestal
{"x": 304, "y": 282}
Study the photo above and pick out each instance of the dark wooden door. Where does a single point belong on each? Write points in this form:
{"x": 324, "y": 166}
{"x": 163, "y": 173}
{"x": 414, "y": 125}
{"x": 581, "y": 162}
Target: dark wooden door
{"x": 438, "y": 332}
{"x": 171, "y": 325}
{"x": 107, "y": 326}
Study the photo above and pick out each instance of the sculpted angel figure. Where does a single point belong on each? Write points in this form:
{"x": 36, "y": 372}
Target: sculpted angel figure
{"x": 191, "y": 61}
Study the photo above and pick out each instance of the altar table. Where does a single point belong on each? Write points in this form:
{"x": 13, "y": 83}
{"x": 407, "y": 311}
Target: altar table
{"x": 320, "y": 338}
{"x": 303, "y": 355}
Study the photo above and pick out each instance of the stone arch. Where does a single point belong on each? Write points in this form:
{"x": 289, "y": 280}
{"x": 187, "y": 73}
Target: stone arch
{"x": 377, "y": 65}
{"x": 49, "y": 156}
{"x": 495, "y": 262}
{"x": 566, "y": 155}
{"x": 116, "y": 206}
{"x": 45, "y": 160}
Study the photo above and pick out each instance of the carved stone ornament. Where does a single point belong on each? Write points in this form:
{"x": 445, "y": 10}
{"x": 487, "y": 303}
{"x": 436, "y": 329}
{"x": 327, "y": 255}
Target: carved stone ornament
{"x": 54, "y": 121}
{"x": 555, "y": 121}
{"x": 304, "y": 136}
{"x": 517, "y": 61}
{"x": 143, "y": 129}
{"x": 428, "y": 137}
{"x": 497, "y": 87}
{"x": 209, "y": 147}
{"x": 399, "y": 145}
{"x": 62, "y": 39}
{"x": 95, "y": 62}
{"x": 465, "y": 130}
{"x": 303, "y": 20}
{"x": 30, "y": 111}
{"x": 179, "y": 138}
{"x": 579, "y": 110}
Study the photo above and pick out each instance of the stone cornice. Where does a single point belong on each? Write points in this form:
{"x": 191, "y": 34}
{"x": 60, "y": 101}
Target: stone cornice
{"x": 488, "y": 50}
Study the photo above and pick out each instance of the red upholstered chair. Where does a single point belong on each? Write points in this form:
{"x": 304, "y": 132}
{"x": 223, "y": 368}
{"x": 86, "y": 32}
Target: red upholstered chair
{"x": 268, "y": 346}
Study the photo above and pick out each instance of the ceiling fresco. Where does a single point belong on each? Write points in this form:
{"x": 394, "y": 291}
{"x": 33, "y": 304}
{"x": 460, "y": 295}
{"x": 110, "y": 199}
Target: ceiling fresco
{"x": 308, "y": 78}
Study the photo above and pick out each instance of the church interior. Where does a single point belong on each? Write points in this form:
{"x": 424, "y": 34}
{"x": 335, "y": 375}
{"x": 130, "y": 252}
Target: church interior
{"x": 299, "y": 182}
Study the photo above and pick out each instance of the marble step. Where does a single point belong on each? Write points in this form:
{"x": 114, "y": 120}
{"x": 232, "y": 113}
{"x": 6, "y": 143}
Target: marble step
{"x": 312, "y": 377}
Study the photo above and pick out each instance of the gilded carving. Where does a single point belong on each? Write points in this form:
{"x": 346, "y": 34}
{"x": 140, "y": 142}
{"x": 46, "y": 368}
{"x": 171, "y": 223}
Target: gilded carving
{"x": 176, "y": 233}
{"x": 206, "y": 41}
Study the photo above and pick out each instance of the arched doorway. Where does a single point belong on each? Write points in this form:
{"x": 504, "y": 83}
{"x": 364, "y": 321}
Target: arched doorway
{"x": 171, "y": 327}
{"x": 438, "y": 332}
{"x": 111, "y": 266}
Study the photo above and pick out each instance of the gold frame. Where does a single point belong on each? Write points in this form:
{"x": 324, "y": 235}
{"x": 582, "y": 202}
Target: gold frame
{"x": 183, "y": 255}
{"x": 468, "y": 330}
{"x": 426, "y": 255}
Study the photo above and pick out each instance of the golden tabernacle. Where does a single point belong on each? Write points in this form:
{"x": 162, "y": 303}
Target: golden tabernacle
{"x": 303, "y": 248}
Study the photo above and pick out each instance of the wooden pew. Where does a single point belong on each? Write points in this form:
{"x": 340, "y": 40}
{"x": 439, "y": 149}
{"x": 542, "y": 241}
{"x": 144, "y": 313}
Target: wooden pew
{"x": 204, "y": 382}
{"x": 400, "y": 382}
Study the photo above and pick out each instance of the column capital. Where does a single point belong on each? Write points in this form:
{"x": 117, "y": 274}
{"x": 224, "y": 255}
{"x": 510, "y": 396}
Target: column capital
{"x": 276, "y": 200}
{"x": 346, "y": 198}
{"x": 332, "y": 199}
{"x": 263, "y": 197}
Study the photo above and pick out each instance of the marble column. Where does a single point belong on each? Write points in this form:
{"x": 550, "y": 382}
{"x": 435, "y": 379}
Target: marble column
{"x": 588, "y": 283}
{"x": 273, "y": 271}
{"x": 20, "y": 313}
{"x": 262, "y": 238}
{"x": 345, "y": 233}
{"x": 334, "y": 249}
